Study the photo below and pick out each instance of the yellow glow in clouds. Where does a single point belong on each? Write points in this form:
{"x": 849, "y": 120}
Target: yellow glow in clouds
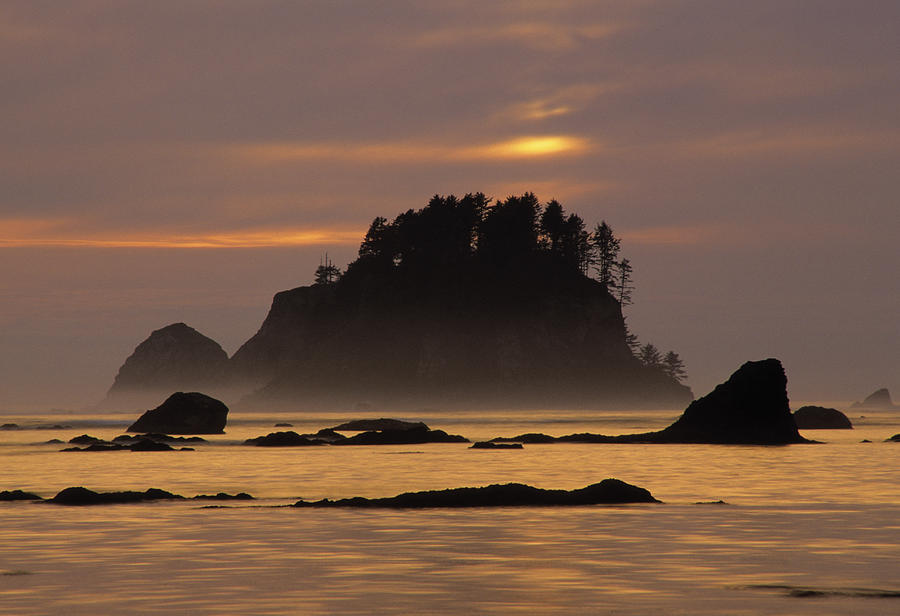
{"x": 527, "y": 147}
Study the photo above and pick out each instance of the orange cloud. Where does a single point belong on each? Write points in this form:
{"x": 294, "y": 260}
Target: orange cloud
{"x": 39, "y": 233}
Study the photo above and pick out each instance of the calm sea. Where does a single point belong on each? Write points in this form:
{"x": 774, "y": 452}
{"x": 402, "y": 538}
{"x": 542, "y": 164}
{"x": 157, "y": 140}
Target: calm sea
{"x": 803, "y": 517}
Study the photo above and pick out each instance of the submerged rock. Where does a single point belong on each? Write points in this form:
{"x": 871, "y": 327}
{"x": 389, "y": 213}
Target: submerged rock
{"x": 383, "y": 423}
{"x": 184, "y": 413}
{"x": 879, "y": 399}
{"x": 495, "y": 445}
{"x": 821, "y": 418}
{"x": 83, "y": 496}
{"x": 17, "y": 495}
{"x": 282, "y": 439}
{"x": 607, "y": 492}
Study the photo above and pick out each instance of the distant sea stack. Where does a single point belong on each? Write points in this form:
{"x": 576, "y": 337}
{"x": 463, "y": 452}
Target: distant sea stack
{"x": 174, "y": 358}
{"x": 877, "y": 400}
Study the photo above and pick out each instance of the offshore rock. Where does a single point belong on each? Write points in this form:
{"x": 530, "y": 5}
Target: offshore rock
{"x": 84, "y": 496}
{"x": 529, "y": 438}
{"x": 17, "y": 495}
{"x": 288, "y": 438}
{"x": 495, "y": 445}
{"x": 174, "y": 358}
{"x": 821, "y": 418}
{"x": 184, "y": 413}
{"x": 379, "y": 424}
{"x": 408, "y": 436}
{"x": 607, "y": 492}
{"x": 880, "y": 399}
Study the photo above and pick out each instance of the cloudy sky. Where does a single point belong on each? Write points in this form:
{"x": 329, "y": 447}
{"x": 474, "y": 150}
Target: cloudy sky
{"x": 183, "y": 161}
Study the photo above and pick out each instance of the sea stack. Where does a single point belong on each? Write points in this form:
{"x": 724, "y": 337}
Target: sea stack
{"x": 184, "y": 413}
{"x": 877, "y": 400}
{"x": 174, "y": 358}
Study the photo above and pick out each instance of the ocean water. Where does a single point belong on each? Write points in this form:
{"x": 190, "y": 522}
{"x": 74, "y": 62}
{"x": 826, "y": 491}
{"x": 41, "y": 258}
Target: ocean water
{"x": 822, "y": 518}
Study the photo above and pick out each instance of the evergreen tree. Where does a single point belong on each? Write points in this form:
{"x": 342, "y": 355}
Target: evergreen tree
{"x": 623, "y": 284}
{"x": 606, "y": 250}
{"x": 649, "y": 356}
{"x": 674, "y": 366}
{"x": 327, "y": 272}
{"x": 631, "y": 339}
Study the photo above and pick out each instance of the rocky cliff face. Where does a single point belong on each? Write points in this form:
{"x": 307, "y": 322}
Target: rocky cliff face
{"x": 176, "y": 357}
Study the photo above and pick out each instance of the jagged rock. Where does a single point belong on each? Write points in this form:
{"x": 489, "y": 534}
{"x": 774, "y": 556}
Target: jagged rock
{"x": 880, "y": 399}
{"x": 821, "y": 418}
{"x": 174, "y": 358}
{"x": 84, "y": 496}
{"x": 495, "y": 445}
{"x": 607, "y": 492}
{"x": 282, "y": 439}
{"x": 85, "y": 439}
{"x": 380, "y": 424}
{"x": 184, "y": 413}
{"x": 17, "y": 495}
{"x": 408, "y": 436}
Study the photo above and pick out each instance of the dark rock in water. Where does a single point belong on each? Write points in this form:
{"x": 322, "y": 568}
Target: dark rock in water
{"x": 53, "y": 441}
{"x": 9, "y": 426}
{"x": 103, "y": 446}
{"x": 880, "y": 399}
{"x": 184, "y": 413}
{"x": 174, "y": 358}
{"x": 718, "y": 502}
{"x": 530, "y": 438}
{"x": 895, "y": 439}
{"x": 148, "y": 445}
{"x": 380, "y": 424}
{"x": 83, "y": 496}
{"x": 329, "y": 435}
{"x": 607, "y": 492}
{"x": 17, "y": 495}
{"x": 52, "y": 427}
{"x": 407, "y": 436}
{"x": 282, "y": 439}
{"x": 159, "y": 438}
{"x": 865, "y": 440}
{"x": 284, "y": 425}
{"x": 495, "y": 445}
{"x": 750, "y": 408}
{"x": 821, "y": 418}
{"x": 85, "y": 439}
{"x": 224, "y": 496}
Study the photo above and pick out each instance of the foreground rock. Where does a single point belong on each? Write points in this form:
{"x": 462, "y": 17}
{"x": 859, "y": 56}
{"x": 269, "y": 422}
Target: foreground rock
{"x": 17, "y": 495}
{"x": 283, "y": 439}
{"x": 607, "y": 492}
{"x": 821, "y": 418}
{"x": 83, "y": 496}
{"x": 184, "y": 413}
{"x": 877, "y": 400}
{"x": 750, "y": 408}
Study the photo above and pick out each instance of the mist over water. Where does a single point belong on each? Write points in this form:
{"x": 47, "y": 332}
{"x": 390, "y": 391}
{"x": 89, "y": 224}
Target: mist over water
{"x": 802, "y": 516}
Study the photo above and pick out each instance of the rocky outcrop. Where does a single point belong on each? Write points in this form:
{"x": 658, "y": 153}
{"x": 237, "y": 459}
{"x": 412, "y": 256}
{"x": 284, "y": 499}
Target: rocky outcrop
{"x": 750, "y": 408}
{"x": 821, "y": 418}
{"x": 184, "y": 413}
{"x": 379, "y": 424}
{"x": 174, "y": 358}
{"x": 18, "y": 495}
{"x": 408, "y": 436}
{"x": 877, "y": 400}
{"x": 607, "y": 492}
{"x": 84, "y": 496}
{"x": 288, "y": 438}
{"x": 495, "y": 445}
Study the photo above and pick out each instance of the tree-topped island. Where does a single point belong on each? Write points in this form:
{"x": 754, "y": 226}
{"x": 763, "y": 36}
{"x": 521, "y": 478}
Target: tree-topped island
{"x": 464, "y": 303}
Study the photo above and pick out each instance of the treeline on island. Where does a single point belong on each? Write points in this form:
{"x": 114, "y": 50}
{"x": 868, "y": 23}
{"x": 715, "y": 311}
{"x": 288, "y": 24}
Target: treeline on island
{"x": 467, "y": 302}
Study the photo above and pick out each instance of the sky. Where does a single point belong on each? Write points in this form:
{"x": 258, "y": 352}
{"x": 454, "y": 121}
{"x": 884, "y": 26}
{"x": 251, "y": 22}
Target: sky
{"x": 183, "y": 161}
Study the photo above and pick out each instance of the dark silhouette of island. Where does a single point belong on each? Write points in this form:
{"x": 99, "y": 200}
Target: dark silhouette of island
{"x": 18, "y": 495}
{"x": 821, "y": 418}
{"x": 126, "y": 442}
{"x": 184, "y": 413}
{"x": 495, "y": 445}
{"x": 877, "y": 400}
{"x": 607, "y": 492}
{"x": 464, "y": 303}
{"x": 750, "y": 408}
{"x": 385, "y": 432}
